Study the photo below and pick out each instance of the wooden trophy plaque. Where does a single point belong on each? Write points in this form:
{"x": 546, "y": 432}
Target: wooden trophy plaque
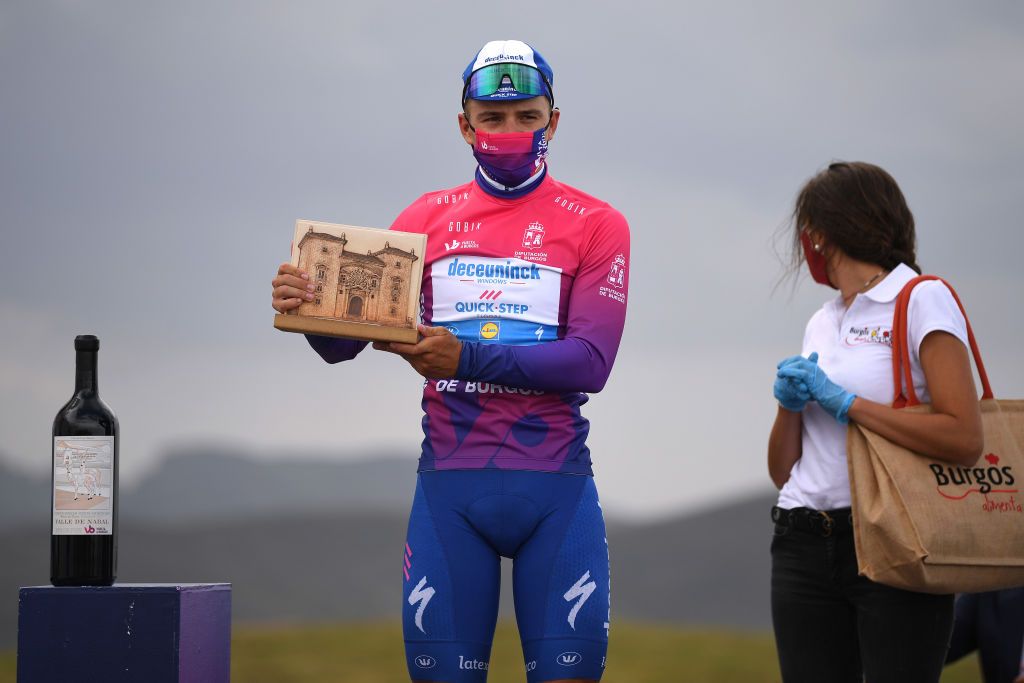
{"x": 367, "y": 282}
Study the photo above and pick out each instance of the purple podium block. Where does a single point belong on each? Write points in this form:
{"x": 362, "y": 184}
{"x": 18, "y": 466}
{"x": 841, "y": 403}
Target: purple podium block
{"x": 125, "y": 633}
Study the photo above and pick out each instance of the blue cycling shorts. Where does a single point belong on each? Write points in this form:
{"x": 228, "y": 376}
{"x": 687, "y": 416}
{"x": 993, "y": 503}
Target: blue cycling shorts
{"x": 462, "y": 523}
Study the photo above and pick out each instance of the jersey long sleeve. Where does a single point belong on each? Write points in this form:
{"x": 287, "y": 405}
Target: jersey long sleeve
{"x": 582, "y": 360}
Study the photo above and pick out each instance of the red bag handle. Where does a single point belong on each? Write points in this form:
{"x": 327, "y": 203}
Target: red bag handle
{"x": 901, "y": 370}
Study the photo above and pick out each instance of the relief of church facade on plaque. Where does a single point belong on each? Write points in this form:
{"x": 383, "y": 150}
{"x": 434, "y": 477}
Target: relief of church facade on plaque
{"x": 364, "y": 276}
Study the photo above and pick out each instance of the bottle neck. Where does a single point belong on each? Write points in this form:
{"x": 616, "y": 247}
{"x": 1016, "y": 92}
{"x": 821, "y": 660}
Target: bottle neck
{"x": 85, "y": 371}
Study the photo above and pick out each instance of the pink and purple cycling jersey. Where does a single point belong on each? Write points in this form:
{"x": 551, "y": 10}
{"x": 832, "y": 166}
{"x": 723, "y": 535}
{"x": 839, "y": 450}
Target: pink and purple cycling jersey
{"x": 535, "y": 288}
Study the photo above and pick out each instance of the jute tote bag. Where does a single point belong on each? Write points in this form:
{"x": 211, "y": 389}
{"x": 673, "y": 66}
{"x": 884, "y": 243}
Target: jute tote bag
{"x": 931, "y": 526}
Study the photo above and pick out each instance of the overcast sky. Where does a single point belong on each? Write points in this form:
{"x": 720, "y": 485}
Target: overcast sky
{"x": 154, "y": 157}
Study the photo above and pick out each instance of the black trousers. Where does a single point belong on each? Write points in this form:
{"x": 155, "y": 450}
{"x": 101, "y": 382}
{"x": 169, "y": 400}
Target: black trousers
{"x": 832, "y": 625}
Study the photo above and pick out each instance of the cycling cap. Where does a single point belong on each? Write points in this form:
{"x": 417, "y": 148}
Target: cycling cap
{"x": 507, "y": 70}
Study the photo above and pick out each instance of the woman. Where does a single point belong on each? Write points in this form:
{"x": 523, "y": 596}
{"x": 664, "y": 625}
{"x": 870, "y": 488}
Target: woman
{"x": 853, "y": 229}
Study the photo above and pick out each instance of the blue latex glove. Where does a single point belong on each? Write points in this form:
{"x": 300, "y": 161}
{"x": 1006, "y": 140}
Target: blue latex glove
{"x": 791, "y": 395}
{"x": 835, "y": 400}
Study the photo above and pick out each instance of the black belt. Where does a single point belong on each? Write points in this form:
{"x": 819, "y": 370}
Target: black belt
{"x": 820, "y": 522}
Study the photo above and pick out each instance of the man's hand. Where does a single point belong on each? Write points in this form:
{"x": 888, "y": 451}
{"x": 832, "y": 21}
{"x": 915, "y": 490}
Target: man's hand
{"x": 435, "y": 355}
{"x": 291, "y": 288}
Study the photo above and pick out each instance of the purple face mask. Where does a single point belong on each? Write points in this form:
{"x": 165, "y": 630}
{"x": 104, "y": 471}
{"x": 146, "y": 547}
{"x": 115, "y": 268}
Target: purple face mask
{"x": 511, "y": 158}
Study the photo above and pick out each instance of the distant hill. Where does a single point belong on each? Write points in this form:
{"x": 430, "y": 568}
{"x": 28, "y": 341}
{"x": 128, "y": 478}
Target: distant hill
{"x": 208, "y": 484}
{"x": 303, "y": 538}
{"x": 709, "y": 568}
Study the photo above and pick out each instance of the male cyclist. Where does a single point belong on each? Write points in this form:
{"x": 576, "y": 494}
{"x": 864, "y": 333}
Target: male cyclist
{"x": 524, "y": 299}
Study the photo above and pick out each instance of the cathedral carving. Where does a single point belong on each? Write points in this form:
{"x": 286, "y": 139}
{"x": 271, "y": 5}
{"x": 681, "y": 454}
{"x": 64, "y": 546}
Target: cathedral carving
{"x": 371, "y": 287}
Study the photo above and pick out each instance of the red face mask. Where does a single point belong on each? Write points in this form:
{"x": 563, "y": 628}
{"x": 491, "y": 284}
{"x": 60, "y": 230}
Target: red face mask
{"x": 815, "y": 261}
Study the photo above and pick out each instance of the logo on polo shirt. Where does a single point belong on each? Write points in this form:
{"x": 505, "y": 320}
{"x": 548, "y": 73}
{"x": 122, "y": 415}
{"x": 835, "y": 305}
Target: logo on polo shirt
{"x": 869, "y": 335}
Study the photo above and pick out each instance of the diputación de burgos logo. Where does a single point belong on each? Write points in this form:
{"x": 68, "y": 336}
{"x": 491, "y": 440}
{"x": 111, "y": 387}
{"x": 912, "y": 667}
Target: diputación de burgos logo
{"x": 955, "y": 482}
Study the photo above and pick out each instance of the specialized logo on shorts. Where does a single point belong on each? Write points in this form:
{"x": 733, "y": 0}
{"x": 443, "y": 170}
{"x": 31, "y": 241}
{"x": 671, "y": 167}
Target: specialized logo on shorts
{"x": 580, "y": 591}
{"x": 569, "y": 658}
{"x": 422, "y": 594}
{"x": 489, "y": 330}
{"x": 425, "y": 662}
{"x": 533, "y": 236}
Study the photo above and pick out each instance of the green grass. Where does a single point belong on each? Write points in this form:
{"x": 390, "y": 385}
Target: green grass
{"x": 372, "y": 653}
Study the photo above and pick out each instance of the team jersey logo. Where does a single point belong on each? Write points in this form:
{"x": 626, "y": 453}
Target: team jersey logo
{"x": 489, "y": 330}
{"x": 464, "y": 244}
{"x": 617, "y": 273}
{"x": 496, "y": 299}
{"x": 533, "y": 236}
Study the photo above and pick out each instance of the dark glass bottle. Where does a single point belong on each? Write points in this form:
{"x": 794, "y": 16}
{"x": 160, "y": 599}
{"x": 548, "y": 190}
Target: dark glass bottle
{"x": 83, "y": 541}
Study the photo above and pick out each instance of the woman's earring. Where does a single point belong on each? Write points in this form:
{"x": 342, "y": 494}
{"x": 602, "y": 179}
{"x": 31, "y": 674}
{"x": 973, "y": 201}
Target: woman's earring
{"x": 817, "y": 248}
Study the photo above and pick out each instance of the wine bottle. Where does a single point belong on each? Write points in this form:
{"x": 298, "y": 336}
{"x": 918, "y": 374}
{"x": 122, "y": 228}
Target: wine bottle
{"x": 83, "y": 541}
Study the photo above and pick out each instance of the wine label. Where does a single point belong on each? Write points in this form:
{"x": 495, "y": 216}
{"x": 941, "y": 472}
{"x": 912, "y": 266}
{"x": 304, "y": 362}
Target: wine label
{"x": 83, "y": 485}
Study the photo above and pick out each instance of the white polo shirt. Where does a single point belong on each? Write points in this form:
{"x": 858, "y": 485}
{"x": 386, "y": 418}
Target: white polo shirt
{"x": 854, "y": 348}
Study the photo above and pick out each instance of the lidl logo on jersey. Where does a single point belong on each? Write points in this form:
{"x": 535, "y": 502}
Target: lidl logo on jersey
{"x": 533, "y": 236}
{"x": 490, "y": 330}
{"x": 491, "y": 299}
